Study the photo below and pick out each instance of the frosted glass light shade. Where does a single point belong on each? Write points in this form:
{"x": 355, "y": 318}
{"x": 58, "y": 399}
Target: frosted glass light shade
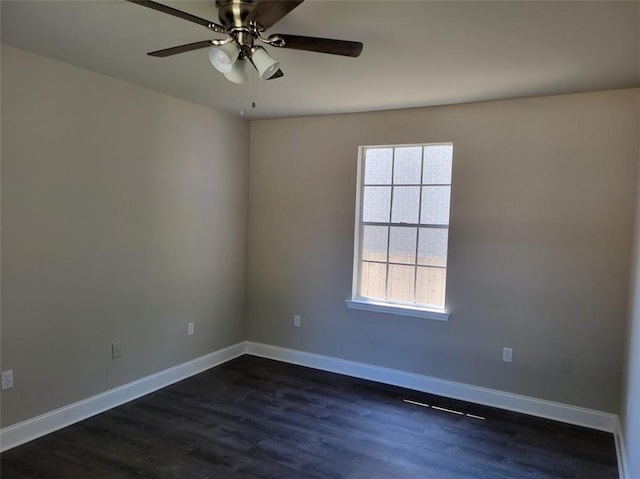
{"x": 265, "y": 63}
{"x": 223, "y": 57}
{"x": 237, "y": 73}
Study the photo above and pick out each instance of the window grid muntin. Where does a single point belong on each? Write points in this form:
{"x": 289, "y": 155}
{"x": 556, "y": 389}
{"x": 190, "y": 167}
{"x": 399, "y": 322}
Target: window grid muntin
{"x": 415, "y": 263}
{"x": 419, "y": 226}
{"x": 403, "y": 264}
{"x": 386, "y": 270}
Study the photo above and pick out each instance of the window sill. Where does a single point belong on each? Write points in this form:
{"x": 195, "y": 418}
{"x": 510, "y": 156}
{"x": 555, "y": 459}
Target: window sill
{"x": 398, "y": 309}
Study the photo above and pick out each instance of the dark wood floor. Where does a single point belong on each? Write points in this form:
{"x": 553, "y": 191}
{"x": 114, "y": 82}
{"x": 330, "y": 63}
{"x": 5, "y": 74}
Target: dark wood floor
{"x": 254, "y": 417}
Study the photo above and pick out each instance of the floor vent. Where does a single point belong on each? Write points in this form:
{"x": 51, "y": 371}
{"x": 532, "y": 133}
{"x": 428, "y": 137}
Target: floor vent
{"x": 444, "y": 409}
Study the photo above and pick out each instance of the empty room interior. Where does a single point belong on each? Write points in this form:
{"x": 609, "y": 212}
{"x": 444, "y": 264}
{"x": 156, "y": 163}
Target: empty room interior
{"x": 320, "y": 239}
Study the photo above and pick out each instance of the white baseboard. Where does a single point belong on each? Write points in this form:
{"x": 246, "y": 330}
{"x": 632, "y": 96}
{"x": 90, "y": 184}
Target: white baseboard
{"x": 621, "y": 451}
{"x": 489, "y": 397}
{"x": 38, "y": 426}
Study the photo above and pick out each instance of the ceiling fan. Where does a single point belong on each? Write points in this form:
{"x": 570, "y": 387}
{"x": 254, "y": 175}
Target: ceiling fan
{"x": 244, "y": 22}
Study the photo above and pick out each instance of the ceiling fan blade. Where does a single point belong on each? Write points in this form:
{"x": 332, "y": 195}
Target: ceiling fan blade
{"x": 278, "y": 74}
{"x": 176, "y": 13}
{"x": 321, "y": 45}
{"x": 167, "y": 52}
{"x": 267, "y": 12}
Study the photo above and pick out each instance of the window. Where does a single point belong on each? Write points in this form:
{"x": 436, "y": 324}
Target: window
{"x": 402, "y": 229}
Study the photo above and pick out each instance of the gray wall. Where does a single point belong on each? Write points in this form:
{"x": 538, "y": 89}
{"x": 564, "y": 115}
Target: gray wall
{"x": 124, "y": 217}
{"x": 630, "y": 404}
{"x": 540, "y": 239}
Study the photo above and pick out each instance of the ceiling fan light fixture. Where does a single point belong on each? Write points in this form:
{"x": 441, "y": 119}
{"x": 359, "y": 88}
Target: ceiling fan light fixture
{"x": 224, "y": 56}
{"x": 266, "y": 65}
{"x": 237, "y": 73}
{"x": 243, "y": 22}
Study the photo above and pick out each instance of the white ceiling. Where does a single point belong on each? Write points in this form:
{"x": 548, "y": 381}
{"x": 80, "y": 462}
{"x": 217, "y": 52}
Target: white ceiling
{"x": 416, "y": 53}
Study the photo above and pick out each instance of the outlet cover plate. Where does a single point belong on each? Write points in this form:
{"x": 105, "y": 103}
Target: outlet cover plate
{"x": 7, "y": 379}
{"x": 507, "y": 355}
{"x": 115, "y": 350}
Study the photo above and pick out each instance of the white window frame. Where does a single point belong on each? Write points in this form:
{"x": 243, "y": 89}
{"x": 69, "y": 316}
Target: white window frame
{"x": 384, "y": 306}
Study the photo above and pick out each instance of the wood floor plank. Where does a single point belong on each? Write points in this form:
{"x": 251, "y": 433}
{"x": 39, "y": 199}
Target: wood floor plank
{"x": 256, "y": 418}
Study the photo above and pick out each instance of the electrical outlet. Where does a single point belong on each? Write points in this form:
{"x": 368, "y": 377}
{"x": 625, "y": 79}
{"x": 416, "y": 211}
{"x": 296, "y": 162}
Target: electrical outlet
{"x": 507, "y": 355}
{"x": 296, "y": 321}
{"x": 7, "y": 379}
{"x": 115, "y": 350}
{"x": 190, "y": 329}
{"x": 565, "y": 365}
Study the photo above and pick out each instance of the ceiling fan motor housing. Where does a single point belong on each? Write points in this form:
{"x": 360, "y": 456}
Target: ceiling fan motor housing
{"x": 234, "y": 13}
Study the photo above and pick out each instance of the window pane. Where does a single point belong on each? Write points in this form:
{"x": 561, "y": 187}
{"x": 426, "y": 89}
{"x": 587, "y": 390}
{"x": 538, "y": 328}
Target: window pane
{"x": 403, "y": 231}
{"x": 406, "y": 200}
{"x": 435, "y": 205}
{"x": 376, "y": 203}
{"x": 406, "y": 166}
{"x": 402, "y": 245}
{"x": 432, "y": 246}
{"x": 430, "y": 286}
{"x": 437, "y": 164}
{"x": 372, "y": 281}
{"x": 374, "y": 243}
{"x": 401, "y": 280}
{"x": 377, "y": 168}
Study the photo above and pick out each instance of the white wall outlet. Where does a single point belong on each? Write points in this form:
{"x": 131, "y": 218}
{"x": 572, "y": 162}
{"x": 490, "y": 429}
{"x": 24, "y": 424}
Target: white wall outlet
{"x": 507, "y": 355}
{"x": 297, "y": 321}
{"x": 190, "y": 329}
{"x": 7, "y": 379}
{"x": 116, "y": 350}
